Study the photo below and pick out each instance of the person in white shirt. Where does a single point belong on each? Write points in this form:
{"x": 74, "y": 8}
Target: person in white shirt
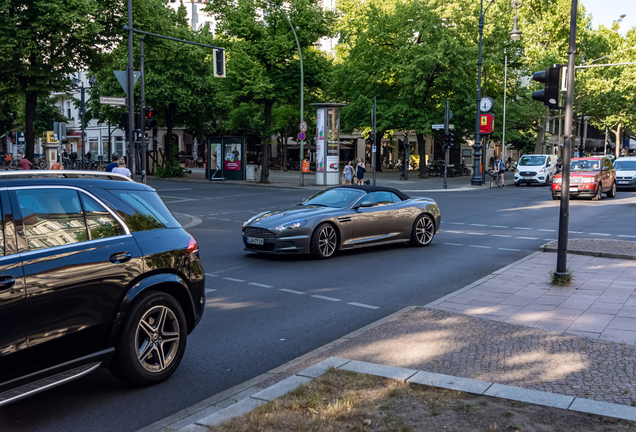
{"x": 121, "y": 168}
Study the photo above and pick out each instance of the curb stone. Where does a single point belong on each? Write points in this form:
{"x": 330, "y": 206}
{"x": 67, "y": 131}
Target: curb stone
{"x": 466, "y": 385}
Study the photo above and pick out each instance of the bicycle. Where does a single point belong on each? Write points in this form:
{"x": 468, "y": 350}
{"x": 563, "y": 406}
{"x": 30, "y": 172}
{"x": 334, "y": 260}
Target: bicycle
{"x": 495, "y": 179}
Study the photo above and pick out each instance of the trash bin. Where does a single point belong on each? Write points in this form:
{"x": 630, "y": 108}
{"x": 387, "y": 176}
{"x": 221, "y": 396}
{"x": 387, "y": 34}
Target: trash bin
{"x": 250, "y": 172}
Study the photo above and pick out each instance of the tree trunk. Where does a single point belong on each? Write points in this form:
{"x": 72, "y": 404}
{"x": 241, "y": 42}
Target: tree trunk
{"x": 284, "y": 163}
{"x": 538, "y": 145}
{"x": 168, "y": 142}
{"x": 421, "y": 144}
{"x": 266, "y": 144}
{"x": 617, "y": 134}
{"x": 29, "y": 117}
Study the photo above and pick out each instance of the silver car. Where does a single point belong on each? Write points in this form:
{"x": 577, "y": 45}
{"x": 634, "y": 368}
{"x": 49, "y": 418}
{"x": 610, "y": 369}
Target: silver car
{"x": 342, "y": 218}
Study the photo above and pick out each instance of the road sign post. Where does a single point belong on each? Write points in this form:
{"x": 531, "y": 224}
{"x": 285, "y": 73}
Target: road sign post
{"x": 373, "y": 121}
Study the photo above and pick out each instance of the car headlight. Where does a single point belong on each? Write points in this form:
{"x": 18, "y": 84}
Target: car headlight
{"x": 291, "y": 225}
{"x": 516, "y": 171}
{"x": 253, "y": 218}
{"x": 541, "y": 170}
{"x": 557, "y": 180}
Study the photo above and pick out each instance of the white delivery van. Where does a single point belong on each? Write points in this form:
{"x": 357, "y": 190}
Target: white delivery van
{"x": 625, "y": 172}
{"x": 535, "y": 169}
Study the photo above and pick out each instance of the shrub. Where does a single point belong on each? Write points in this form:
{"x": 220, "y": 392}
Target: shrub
{"x": 172, "y": 169}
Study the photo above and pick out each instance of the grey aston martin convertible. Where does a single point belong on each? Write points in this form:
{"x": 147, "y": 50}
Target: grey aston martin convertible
{"x": 344, "y": 217}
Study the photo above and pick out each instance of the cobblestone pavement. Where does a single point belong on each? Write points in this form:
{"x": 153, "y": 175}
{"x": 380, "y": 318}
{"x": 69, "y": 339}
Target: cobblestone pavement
{"x": 599, "y": 303}
{"x": 465, "y": 346}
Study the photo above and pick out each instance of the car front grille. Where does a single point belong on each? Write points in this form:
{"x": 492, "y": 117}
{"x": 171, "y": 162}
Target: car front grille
{"x": 624, "y": 178}
{"x": 267, "y": 247}
{"x": 527, "y": 173}
{"x": 258, "y": 233}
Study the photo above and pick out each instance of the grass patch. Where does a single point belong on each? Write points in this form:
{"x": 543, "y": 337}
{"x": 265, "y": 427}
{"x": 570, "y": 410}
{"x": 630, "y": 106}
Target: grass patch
{"x": 561, "y": 279}
{"x": 347, "y": 401}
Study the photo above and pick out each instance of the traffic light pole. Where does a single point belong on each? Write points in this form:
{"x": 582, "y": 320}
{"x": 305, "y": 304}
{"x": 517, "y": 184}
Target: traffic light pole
{"x": 142, "y": 114}
{"x": 130, "y": 84}
{"x": 446, "y": 143}
{"x": 375, "y": 157}
{"x": 564, "y": 211}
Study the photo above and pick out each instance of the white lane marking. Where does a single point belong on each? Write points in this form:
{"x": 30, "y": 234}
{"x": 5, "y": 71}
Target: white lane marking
{"x": 325, "y": 298}
{"x": 211, "y": 275}
{"x": 234, "y": 280}
{"x": 229, "y": 269}
{"x": 513, "y": 250}
{"x": 290, "y": 291}
{"x": 458, "y": 223}
{"x": 363, "y": 305}
{"x": 454, "y": 232}
{"x": 599, "y": 234}
{"x": 499, "y": 226}
{"x": 546, "y": 230}
{"x": 630, "y": 236}
{"x": 475, "y": 233}
{"x": 194, "y": 222}
{"x": 482, "y": 247}
{"x": 527, "y": 238}
{"x": 478, "y": 225}
{"x": 500, "y": 235}
{"x": 208, "y": 290}
{"x": 226, "y": 220}
{"x": 260, "y": 285}
{"x": 549, "y": 240}
{"x": 453, "y": 244}
{"x": 521, "y": 228}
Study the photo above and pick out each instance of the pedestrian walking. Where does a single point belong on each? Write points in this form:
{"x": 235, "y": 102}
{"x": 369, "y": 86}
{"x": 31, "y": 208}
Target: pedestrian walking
{"x": 25, "y": 164}
{"x": 360, "y": 170}
{"x": 113, "y": 164}
{"x": 121, "y": 168}
{"x": 347, "y": 172}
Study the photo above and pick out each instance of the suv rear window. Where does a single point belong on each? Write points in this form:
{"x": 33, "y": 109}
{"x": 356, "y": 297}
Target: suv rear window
{"x": 149, "y": 205}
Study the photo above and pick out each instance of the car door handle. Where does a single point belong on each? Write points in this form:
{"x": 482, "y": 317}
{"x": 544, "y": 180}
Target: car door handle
{"x": 120, "y": 257}
{"x": 6, "y": 282}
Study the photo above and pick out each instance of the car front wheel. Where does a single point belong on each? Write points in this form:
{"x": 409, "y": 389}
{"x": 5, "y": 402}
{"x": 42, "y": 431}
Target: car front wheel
{"x": 423, "y": 231}
{"x": 152, "y": 340}
{"x": 324, "y": 241}
{"x": 599, "y": 192}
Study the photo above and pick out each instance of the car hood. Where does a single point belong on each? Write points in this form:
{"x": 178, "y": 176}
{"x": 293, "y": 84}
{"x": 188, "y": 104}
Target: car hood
{"x": 626, "y": 173}
{"x": 274, "y": 218}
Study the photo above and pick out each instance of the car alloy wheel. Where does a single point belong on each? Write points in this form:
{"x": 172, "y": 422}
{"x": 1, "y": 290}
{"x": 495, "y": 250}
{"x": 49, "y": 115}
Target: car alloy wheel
{"x": 612, "y": 192}
{"x": 157, "y": 339}
{"x": 599, "y": 192}
{"x": 423, "y": 231}
{"x": 324, "y": 241}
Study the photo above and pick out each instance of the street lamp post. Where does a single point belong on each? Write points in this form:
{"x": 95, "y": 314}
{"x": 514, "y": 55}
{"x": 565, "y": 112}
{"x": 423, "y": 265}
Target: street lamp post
{"x": 302, "y": 91}
{"x": 82, "y": 89}
{"x": 515, "y": 34}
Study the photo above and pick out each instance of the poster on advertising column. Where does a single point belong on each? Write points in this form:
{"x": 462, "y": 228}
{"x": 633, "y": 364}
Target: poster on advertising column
{"x": 333, "y": 125}
{"x": 215, "y": 156}
{"x": 320, "y": 141}
{"x": 233, "y": 157}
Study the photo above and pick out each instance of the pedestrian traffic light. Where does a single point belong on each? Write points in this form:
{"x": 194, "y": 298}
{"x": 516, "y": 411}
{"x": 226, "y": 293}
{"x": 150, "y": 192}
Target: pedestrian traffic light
{"x": 551, "y": 95}
{"x": 219, "y": 63}
{"x": 150, "y": 121}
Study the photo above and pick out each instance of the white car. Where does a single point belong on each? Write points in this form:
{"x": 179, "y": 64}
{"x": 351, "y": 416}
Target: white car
{"x": 625, "y": 172}
{"x": 535, "y": 169}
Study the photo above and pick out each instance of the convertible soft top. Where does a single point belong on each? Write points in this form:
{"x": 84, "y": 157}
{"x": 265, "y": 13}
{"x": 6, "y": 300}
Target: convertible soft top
{"x": 368, "y": 189}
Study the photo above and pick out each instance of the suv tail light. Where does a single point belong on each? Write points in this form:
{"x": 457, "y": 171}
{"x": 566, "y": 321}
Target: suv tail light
{"x": 193, "y": 247}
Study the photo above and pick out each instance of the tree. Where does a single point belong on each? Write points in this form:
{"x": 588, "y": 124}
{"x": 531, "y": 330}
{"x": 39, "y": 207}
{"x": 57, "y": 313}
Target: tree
{"x": 43, "y": 42}
{"x": 46, "y": 114}
{"x": 262, "y": 54}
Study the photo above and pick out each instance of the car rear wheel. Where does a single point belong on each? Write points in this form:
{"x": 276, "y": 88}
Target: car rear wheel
{"x": 555, "y": 197}
{"x": 612, "y": 192}
{"x": 423, "y": 231}
{"x": 324, "y": 241}
{"x": 152, "y": 340}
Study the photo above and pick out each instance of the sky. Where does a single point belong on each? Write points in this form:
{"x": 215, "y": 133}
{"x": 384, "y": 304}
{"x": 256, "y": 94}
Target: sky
{"x": 606, "y": 11}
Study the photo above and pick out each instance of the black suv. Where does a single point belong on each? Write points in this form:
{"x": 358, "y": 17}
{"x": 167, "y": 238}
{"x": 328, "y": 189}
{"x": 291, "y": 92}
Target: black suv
{"x": 94, "y": 271}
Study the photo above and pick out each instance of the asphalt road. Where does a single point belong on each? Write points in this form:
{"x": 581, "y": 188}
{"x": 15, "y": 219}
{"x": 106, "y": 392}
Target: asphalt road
{"x": 263, "y": 311}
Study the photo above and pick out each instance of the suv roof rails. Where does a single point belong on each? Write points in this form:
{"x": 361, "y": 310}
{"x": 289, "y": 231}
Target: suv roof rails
{"x": 62, "y": 173}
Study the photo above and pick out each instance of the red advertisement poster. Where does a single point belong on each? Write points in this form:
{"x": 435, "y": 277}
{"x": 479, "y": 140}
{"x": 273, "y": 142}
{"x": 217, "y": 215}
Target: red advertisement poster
{"x": 233, "y": 157}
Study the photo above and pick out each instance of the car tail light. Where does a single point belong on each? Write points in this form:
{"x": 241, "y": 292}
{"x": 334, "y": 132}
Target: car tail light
{"x": 193, "y": 247}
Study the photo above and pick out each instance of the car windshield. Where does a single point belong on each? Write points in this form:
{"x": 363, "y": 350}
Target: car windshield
{"x": 337, "y": 198}
{"x": 532, "y": 160}
{"x": 585, "y": 165}
{"x": 629, "y": 165}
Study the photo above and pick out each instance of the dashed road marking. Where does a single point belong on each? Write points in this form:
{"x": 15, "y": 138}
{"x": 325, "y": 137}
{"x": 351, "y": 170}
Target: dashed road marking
{"x": 513, "y": 250}
{"x": 480, "y": 225}
{"x": 363, "y": 305}
{"x": 599, "y": 234}
{"x": 499, "y": 226}
{"x": 454, "y": 232}
{"x": 548, "y": 230}
{"x": 209, "y": 290}
{"x": 630, "y": 236}
{"x": 475, "y": 233}
{"x": 500, "y": 235}
{"x": 325, "y": 298}
{"x": 482, "y": 247}
{"x": 211, "y": 275}
{"x": 521, "y": 228}
{"x": 290, "y": 291}
{"x": 458, "y": 223}
{"x": 260, "y": 285}
{"x": 234, "y": 280}
{"x": 527, "y": 238}
{"x": 454, "y": 244}
{"x": 226, "y": 220}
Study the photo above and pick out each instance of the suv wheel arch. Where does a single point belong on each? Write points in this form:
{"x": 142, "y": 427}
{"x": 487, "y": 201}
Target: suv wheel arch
{"x": 169, "y": 283}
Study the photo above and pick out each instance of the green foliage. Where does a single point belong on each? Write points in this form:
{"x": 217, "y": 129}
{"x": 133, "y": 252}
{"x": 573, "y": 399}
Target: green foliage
{"x": 171, "y": 170}
{"x": 46, "y": 113}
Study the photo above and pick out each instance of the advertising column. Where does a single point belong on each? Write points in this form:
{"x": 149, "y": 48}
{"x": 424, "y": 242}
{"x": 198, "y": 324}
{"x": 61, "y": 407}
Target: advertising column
{"x": 320, "y": 147}
{"x": 327, "y": 143}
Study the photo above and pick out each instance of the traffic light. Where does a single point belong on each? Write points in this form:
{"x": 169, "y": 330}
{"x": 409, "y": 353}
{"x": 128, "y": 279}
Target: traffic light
{"x": 219, "y": 63}
{"x": 446, "y": 141}
{"x": 551, "y": 95}
{"x": 150, "y": 121}
{"x": 451, "y": 140}
{"x": 371, "y": 136}
{"x": 123, "y": 122}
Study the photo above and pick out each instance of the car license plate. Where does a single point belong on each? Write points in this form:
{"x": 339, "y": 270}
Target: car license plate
{"x": 527, "y": 178}
{"x": 623, "y": 182}
{"x": 255, "y": 241}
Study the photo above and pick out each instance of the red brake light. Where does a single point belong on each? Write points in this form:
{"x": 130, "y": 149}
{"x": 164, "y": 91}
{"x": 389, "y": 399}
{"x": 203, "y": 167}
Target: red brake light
{"x": 193, "y": 246}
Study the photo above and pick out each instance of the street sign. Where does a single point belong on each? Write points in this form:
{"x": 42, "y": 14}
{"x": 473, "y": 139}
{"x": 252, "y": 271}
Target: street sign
{"x": 116, "y": 101}
{"x": 486, "y": 123}
{"x": 303, "y": 127}
{"x": 301, "y": 136}
{"x": 121, "y": 77}
{"x": 441, "y": 126}
{"x": 373, "y": 149}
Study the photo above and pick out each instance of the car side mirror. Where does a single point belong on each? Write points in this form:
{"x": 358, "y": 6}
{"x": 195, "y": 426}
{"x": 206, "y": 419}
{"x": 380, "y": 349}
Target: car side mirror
{"x": 548, "y": 165}
{"x": 364, "y": 204}
{"x": 605, "y": 168}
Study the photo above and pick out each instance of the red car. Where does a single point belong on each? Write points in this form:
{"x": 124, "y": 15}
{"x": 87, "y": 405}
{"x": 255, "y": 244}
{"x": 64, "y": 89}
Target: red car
{"x": 589, "y": 177}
